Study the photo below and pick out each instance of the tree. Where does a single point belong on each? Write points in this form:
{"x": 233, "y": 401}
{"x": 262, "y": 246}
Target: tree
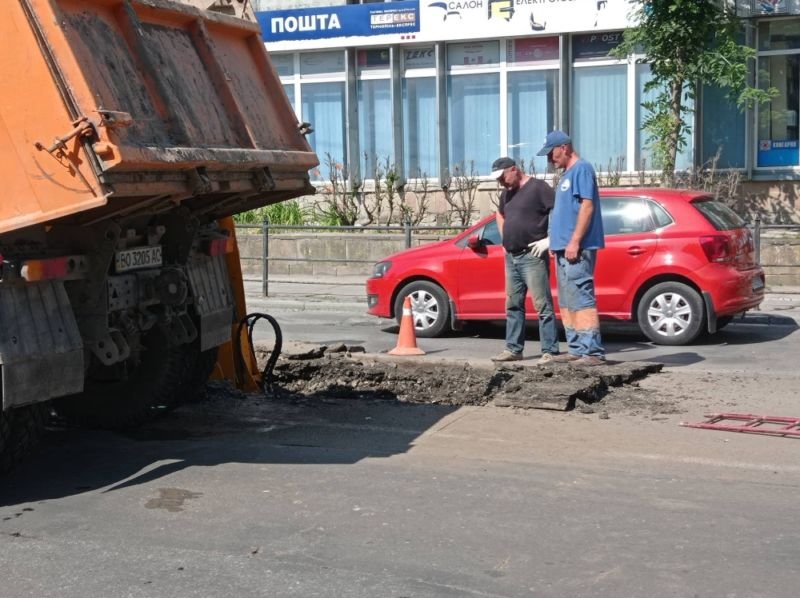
{"x": 687, "y": 43}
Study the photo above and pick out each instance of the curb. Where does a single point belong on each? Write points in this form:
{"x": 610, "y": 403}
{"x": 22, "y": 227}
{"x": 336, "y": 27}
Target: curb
{"x": 332, "y": 304}
{"x": 351, "y": 306}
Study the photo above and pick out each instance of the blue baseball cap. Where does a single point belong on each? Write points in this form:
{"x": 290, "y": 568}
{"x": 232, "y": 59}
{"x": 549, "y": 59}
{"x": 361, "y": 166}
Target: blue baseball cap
{"x": 553, "y": 140}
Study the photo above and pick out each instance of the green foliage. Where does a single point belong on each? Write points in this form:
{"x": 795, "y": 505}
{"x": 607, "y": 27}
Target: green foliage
{"x": 286, "y": 212}
{"x": 687, "y": 43}
{"x": 339, "y": 199}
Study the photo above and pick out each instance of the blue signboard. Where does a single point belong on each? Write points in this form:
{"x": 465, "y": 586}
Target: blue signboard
{"x": 339, "y": 21}
{"x": 778, "y": 153}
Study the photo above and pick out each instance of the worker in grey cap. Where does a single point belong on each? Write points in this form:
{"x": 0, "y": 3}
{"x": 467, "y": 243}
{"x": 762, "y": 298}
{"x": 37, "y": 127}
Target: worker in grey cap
{"x": 576, "y": 233}
{"x": 522, "y": 214}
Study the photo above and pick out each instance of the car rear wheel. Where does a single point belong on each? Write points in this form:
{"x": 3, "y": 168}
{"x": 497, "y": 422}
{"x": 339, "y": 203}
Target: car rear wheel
{"x": 671, "y": 313}
{"x": 429, "y": 307}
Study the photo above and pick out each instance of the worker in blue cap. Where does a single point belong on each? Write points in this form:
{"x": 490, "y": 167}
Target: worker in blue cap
{"x": 576, "y": 233}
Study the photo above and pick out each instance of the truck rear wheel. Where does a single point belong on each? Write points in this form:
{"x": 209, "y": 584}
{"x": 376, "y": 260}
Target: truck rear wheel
{"x": 153, "y": 387}
{"x": 20, "y": 431}
{"x": 193, "y": 389}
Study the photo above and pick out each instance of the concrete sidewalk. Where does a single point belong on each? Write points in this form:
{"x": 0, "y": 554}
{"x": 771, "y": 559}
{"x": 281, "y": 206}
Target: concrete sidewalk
{"x": 348, "y": 294}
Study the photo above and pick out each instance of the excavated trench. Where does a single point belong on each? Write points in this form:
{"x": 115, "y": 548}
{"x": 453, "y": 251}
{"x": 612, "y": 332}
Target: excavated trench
{"x": 347, "y": 373}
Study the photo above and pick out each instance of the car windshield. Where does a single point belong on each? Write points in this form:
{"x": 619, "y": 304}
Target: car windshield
{"x": 718, "y": 214}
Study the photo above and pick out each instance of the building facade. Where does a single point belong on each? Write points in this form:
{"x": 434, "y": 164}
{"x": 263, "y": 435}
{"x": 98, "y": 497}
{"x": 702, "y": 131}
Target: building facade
{"x": 429, "y": 86}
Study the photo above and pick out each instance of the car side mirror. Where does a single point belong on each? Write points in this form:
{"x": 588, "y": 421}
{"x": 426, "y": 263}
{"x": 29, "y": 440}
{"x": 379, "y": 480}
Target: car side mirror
{"x": 474, "y": 242}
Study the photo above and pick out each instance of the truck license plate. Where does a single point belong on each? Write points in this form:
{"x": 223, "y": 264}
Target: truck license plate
{"x": 758, "y": 284}
{"x": 140, "y": 257}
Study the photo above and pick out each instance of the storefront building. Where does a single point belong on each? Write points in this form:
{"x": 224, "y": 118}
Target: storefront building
{"x": 428, "y": 85}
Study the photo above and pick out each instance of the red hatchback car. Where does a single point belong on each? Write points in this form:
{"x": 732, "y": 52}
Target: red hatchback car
{"x": 676, "y": 262}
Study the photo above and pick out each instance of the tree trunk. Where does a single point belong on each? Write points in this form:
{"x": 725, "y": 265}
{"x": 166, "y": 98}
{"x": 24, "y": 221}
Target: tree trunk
{"x": 671, "y": 154}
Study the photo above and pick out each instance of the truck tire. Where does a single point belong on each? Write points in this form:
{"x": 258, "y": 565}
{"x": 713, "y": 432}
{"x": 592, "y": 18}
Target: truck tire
{"x": 152, "y": 388}
{"x": 193, "y": 389}
{"x": 20, "y": 431}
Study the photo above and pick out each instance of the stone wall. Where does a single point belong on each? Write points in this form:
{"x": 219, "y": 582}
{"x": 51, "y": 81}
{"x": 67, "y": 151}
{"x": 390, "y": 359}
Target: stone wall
{"x": 304, "y": 254}
{"x": 324, "y": 254}
{"x": 780, "y": 256}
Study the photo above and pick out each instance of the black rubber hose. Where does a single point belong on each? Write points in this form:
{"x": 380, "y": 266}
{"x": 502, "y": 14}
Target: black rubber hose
{"x": 267, "y": 375}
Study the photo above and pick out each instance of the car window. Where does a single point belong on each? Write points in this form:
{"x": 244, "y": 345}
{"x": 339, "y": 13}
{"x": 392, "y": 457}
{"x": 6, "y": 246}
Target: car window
{"x": 626, "y": 216}
{"x": 660, "y": 216}
{"x": 718, "y": 214}
{"x": 490, "y": 234}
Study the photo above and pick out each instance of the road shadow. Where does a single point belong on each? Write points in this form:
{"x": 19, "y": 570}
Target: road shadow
{"x": 250, "y": 430}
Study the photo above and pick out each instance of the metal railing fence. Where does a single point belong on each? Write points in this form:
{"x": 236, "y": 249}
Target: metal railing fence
{"x": 408, "y": 231}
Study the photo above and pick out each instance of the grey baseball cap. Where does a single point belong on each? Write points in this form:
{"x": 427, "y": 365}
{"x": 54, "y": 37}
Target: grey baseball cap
{"x": 499, "y": 166}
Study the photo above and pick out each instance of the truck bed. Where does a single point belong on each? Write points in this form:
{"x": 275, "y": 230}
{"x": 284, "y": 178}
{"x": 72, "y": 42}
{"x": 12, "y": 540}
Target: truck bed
{"x": 117, "y": 107}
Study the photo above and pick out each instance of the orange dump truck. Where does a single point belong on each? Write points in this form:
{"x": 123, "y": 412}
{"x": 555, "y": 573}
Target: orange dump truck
{"x": 128, "y": 129}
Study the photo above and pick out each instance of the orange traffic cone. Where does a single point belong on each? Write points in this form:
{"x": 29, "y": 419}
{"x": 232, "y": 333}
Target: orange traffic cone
{"x": 407, "y": 339}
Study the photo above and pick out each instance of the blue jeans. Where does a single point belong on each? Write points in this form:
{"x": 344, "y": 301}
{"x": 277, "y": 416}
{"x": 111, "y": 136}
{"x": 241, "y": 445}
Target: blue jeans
{"x": 529, "y": 273}
{"x": 578, "y": 303}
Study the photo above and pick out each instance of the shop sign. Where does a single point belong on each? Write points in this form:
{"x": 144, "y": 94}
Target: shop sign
{"x": 355, "y": 20}
{"x": 595, "y": 46}
{"x": 533, "y": 50}
{"x": 778, "y": 153}
{"x": 421, "y": 21}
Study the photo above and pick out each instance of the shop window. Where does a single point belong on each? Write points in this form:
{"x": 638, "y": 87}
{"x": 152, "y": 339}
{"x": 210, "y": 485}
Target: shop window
{"x": 474, "y": 108}
{"x": 375, "y": 126}
{"x": 323, "y": 106}
{"x": 531, "y": 114}
{"x": 531, "y": 97}
{"x": 599, "y": 101}
{"x": 780, "y": 34}
{"x": 473, "y": 94}
{"x": 723, "y": 129}
{"x": 322, "y": 63}
{"x": 289, "y": 89}
{"x": 473, "y": 55}
{"x": 283, "y": 63}
{"x": 644, "y": 154}
{"x": 599, "y": 115}
{"x": 778, "y": 120}
{"x": 420, "y": 131}
{"x": 420, "y": 127}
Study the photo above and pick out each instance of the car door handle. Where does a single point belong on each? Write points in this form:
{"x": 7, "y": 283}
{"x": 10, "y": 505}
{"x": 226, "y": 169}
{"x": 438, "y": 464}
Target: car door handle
{"x": 636, "y": 250}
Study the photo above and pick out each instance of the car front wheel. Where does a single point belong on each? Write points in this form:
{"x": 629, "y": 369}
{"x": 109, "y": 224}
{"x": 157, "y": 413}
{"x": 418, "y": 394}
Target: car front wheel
{"x": 429, "y": 307}
{"x": 671, "y": 313}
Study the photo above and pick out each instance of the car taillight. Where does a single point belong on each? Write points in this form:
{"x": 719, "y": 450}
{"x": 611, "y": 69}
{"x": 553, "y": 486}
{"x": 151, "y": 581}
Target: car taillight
{"x": 718, "y": 248}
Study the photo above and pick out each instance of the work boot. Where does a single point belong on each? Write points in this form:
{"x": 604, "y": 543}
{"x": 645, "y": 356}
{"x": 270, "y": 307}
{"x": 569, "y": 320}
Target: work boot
{"x": 565, "y": 357}
{"x": 589, "y": 360}
{"x": 545, "y": 359}
{"x": 507, "y": 356}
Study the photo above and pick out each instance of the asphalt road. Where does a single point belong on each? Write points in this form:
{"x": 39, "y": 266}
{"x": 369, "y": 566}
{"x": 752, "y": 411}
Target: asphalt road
{"x": 259, "y": 497}
{"x": 764, "y": 341}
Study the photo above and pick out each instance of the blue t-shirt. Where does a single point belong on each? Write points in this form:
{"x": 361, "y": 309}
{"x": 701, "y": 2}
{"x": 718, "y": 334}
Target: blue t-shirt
{"x": 577, "y": 184}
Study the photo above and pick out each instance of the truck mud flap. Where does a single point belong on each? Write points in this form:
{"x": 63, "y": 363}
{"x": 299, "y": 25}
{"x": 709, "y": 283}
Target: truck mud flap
{"x": 41, "y": 351}
{"x": 213, "y": 299}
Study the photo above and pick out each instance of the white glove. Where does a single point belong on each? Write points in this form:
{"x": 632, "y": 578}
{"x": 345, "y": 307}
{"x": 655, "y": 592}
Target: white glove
{"x": 540, "y": 247}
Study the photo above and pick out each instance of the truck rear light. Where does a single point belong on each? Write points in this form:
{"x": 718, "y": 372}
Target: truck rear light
{"x": 718, "y": 248}
{"x": 34, "y": 270}
{"x": 215, "y": 247}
